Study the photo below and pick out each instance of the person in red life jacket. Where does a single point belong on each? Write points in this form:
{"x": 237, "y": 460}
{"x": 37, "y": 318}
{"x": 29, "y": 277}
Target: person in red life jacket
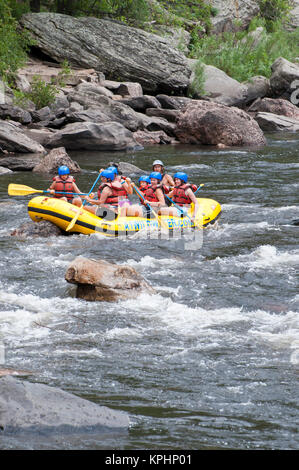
{"x": 182, "y": 195}
{"x": 153, "y": 195}
{"x": 64, "y": 182}
{"x": 121, "y": 178}
{"x": 112, "y": 195}
{"x": 144, "y": 182}
{"x": 167, "y": 180}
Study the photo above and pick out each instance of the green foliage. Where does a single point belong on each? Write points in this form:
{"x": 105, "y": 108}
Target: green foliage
{"x": 13, "y": 43}
{"x": 197, "y": 89}
{"x": 18, "y": 8}
{"x": 238, "y": 56}
{"x": 42, "y": 93}
{"x": 274, "y": 13}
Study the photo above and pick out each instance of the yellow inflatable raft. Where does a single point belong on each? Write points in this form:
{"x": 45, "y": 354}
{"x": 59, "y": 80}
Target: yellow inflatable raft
{"x": 61, "y": 213}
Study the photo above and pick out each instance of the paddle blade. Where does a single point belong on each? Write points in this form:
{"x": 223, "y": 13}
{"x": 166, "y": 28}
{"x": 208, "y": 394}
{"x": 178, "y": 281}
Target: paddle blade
{"x": 74, "y": 220}
{"x": 21, "y": 190}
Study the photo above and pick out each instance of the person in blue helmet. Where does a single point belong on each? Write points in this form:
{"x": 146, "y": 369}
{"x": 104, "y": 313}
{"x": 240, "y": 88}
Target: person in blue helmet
{"x": 182, "y": 195}
{"x": 112, "y": 195}
{"x": 144, "y": 182}
{"x": 154, "y": 194}
{"x": 65, "y": 183}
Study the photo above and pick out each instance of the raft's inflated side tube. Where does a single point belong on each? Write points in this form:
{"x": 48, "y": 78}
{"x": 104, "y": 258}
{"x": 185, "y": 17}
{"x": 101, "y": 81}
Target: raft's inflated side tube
{"x": 61, "y": 213}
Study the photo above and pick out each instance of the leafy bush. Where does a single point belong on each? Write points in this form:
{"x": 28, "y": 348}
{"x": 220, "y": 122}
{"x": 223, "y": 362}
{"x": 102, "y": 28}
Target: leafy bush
{"x": 197, "y": 88}
{"x": 238, "y": 56}
{"x": 274, "y": 13}
{"x": 13, "y": 44}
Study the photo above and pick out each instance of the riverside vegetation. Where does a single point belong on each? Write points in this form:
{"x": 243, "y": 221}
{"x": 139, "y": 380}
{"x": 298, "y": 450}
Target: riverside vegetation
{"x": 235, "y": 52}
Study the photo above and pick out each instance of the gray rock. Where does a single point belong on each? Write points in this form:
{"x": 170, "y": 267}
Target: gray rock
{"x": 91, "y": 114}
{"x": 294, "y": 15}
{"x": 177, "y": 37}
{"x": 55, "y": 158}
{"x": 38, "y": 407}
{"x": 13, "y": 139}
{"x": 114, "y": 110}
{"x": 257, "y": 87}
{"x": 15, "y": 113}
{"x": 93, "y": 136}
{"x": 284, "y": 74}
{"x": 120, "y": 52}
{"x": 173, "y": 102}
{"x": 133, "y": 90}
{"x": 44, "y": 228}
{"x": 221, "y": 88}
{"x": 24, "y": 162}
{"x": 275, "y": 106}
{"x": 170, "y": 114}
{"x": 141, "y": 103}
{"x": 43, "y": 114}
{"x": 128, "y": 168}
{"x": 103, "y": 281}
{"x": 269, "y": 122}
{"x": 231, "y": 11}
{"x": 4, "y": 171}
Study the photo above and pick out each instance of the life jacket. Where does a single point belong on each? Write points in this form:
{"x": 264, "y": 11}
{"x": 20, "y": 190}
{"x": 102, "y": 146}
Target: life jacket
{"x": 117, "y": 192}
{"x": 179, "y": 194}
{"x": 142, "y": 190}
{"x": 150, "y": 193}
{"x": 64, "y": 185}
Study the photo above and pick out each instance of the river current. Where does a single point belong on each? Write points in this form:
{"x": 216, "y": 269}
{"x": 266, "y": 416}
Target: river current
{"x": 211, "y": 360}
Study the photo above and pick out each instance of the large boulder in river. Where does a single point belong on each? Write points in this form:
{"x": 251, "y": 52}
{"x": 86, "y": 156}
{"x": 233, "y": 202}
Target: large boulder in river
{"x": 55, "y": 158}
{"x": 103, "y": 281}
{"x": 119, "y": 51}
{"x": 93, "y": 136}
{"x": 209, "y": 123}
{"x": 13, "y": 139}
{"x": 26, "y": 406}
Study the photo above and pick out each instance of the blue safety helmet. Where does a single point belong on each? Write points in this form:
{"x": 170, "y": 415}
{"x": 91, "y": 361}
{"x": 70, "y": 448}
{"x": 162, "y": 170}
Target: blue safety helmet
{"x": 156, "y": 175}
{"x": 63, "y": 170}
{"x": 110, "y": 175}
{"x": 181, "y": 176}
{"x": 145, "y": 178}
{"x": 112, "y": 168}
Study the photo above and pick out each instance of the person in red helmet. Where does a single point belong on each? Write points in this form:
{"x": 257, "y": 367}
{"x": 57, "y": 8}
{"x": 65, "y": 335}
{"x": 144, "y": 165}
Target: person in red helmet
{"x": 65, "y": 183}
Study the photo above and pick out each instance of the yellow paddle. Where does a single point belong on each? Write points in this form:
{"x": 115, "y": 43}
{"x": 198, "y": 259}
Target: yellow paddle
{"x": 22, "y": 190}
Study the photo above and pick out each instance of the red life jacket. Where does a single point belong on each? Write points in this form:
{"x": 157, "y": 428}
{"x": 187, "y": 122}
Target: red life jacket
{"x": 179, "y": 195}
{"x": 142, "y": 190}
{"x": 150, "y": 193}
{"x": 117, "y": 192}
{"x": 64, "y": 185}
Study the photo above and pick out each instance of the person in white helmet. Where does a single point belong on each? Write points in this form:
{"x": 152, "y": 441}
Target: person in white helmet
{"x": 167, "y": 180}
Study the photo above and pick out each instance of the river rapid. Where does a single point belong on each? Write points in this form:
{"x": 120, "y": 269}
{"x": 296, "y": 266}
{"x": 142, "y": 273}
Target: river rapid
{"x": 211, "y": 360}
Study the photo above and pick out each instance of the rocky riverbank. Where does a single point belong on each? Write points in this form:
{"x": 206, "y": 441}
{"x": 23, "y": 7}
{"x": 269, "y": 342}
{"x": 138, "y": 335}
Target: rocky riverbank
{"x": 129, "y": 88}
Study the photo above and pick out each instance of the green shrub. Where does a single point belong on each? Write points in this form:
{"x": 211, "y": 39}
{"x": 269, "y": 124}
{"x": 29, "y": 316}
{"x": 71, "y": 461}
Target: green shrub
{"x": 235, "y": 54}
{"x": 197, "y": 89}
{"x": 274, "y": 13}
{"x": 42, "y": 93}
{"x": 13, "y": 44}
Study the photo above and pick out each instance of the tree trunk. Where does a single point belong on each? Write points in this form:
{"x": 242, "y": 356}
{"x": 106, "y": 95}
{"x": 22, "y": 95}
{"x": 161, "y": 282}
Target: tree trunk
{"x": 66, "y": 6}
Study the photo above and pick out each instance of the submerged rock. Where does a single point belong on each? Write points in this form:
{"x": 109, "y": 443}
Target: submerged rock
{"x": 44, "y": 228}
{"x": 103, "y": 281}
{"x": 26, "y": 406}
{"x": 209, "y": 123}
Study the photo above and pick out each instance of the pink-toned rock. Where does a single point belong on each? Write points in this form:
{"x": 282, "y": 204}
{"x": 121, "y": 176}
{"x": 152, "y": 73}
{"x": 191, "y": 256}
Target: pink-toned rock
{"x": 275, "y": 106}
{"x": 103, "y": 281}
{"x": 55, "y": 158}
{"x": 204, "y": 122}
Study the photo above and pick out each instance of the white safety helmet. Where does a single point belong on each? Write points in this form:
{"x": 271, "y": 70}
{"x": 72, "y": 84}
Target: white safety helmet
{"x": 158, "y": 162}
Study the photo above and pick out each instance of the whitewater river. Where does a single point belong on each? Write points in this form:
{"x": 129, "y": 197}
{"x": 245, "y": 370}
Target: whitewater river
{"x": 211, "y": 360}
